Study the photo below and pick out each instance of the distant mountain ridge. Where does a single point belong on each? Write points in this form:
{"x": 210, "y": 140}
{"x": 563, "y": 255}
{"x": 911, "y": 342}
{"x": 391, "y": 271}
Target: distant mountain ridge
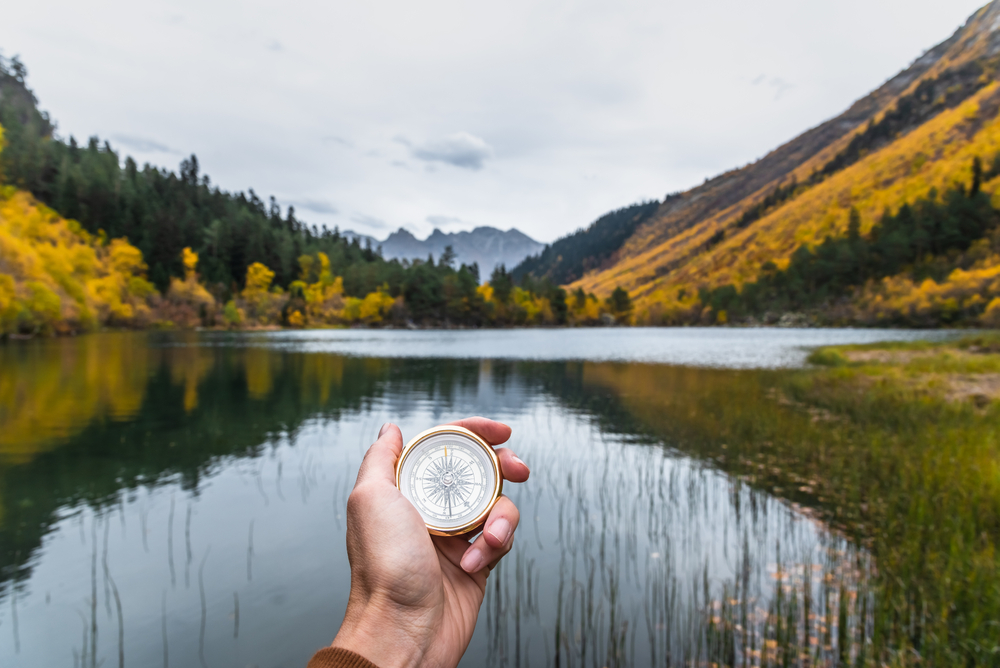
{"x": 485, "y": 246}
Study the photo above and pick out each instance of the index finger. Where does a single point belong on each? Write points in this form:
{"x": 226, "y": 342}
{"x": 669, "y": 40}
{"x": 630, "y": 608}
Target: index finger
{"x": 491, "y": 431}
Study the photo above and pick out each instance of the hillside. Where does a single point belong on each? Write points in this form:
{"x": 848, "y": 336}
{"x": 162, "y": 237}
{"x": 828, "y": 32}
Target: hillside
{"x": 591, "y": 248}
{"x": 914, "y": 138}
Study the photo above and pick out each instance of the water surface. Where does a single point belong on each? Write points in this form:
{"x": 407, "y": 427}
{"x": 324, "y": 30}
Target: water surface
{"x": 179, "y": 499}
{"x": 736, "y": 348}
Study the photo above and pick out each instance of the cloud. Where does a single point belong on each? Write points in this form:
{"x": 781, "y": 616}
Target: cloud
{"x": 317, "y": 205}
{"x": 369, "y": 221}
{"x": 446, "y": 221}
{"x": 142, "y": 144}
{"x": 461, "y": 149}
{"x": 779, "y": 85}
{"x": 275, "y": 46}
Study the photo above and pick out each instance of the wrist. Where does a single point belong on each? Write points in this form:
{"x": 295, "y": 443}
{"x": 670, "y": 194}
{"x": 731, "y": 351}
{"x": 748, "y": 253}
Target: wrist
{"x": 378, "y": 632}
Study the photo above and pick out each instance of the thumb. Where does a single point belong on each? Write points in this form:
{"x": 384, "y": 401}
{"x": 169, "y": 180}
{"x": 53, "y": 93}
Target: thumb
{"x": 379, "y": 464}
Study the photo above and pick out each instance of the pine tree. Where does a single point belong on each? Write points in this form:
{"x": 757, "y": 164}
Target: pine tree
{"x": 977, "y": 177}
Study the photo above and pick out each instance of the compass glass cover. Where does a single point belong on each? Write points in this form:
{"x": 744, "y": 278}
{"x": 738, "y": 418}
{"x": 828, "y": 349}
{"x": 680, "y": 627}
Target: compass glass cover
{"x": 449, "y": 478}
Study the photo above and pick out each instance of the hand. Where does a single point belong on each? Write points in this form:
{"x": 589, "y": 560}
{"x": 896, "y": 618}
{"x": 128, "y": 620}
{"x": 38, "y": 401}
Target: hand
{"x": 415, "y": 597}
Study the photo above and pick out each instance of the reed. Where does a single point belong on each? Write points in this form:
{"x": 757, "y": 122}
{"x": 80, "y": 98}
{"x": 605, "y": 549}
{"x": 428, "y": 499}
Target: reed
{"x": 887, "y": 452}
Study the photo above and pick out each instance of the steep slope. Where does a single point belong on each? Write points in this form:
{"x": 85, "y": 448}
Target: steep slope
{"x": 918, "y": 131}
{"x": 590, "y": 248}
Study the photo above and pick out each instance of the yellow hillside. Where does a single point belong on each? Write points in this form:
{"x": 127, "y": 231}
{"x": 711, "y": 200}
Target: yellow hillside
{"x": 679, "y": 250}
{"x": 938, "y": 155}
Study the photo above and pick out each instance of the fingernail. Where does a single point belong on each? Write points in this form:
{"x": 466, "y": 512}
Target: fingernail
{"x": 384, "y": 427}
{"x": 500, "y": 530}
{"x": 472, "y": 562}
{"x": 518, "y": 460}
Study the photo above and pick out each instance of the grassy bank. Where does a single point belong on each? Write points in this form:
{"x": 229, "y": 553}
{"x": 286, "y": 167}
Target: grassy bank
{"x": 915, "y": 473}
{"x": 897, "y": 446}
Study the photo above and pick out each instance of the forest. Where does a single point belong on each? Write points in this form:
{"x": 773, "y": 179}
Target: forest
{"x": 570, "y": 257}
{"x": 201, "y": 256}
{"x": 90, "y": 239}
{"x": 926, "y": 243}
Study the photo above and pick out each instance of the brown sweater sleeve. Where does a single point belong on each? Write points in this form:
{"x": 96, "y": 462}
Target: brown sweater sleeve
{"x": 335, "y": 657}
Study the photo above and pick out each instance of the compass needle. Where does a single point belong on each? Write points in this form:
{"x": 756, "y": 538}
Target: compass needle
{"x": 452, "y": 478}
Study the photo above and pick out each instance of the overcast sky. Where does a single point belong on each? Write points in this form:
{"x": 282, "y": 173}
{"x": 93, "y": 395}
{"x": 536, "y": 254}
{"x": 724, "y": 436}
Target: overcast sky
{"x": 536, "y": 114}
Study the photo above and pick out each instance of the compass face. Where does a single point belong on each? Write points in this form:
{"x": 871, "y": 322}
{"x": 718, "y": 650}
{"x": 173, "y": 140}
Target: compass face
{"x": 450, "y": 477}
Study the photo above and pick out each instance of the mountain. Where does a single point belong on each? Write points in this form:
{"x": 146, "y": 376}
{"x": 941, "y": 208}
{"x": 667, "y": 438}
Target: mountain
{"x": 594, "y": 247}
{"x": 486, "y": 246}
{"x": 912, "y": 140}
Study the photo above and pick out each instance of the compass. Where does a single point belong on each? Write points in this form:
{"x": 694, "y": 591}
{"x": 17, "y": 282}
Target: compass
{"x": 452, "y": 477}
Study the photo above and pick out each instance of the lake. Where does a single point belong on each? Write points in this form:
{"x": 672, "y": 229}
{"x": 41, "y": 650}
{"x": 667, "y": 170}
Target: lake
{"x": 179, "y": 499}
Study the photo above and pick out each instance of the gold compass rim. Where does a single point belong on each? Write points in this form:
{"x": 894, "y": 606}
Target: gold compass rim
{"x": 478, "y": 521}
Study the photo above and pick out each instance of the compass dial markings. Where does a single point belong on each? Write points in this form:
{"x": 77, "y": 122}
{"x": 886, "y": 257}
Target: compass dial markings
{"x": 449, "y": 481}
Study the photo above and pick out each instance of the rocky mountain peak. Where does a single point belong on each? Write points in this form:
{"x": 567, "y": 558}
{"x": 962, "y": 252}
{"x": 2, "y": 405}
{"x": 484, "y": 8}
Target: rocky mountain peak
{"x": 486, "y": 246}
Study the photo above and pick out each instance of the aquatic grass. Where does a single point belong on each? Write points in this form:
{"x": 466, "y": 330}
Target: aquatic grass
{"x": 903, "y": 470}
{"x": 926, "y": 487}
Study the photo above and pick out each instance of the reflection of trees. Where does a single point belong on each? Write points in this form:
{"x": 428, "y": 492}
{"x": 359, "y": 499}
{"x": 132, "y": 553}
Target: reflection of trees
{"x": 82, "y": 420}
{"x": 50, "y": 388}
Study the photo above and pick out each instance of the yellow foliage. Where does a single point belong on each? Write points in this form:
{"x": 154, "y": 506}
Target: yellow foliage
{"x": 8, "y": 305}
{"x": 190, "y": 291}
{"x": 375, "y": 306}
{"x": 188, "y": 302}
{"x": 324, "y": 299}
{"x": 126, "y": 258}
{"x": 324, "y": 269}
{"x": 259, "y": 278}
{"x": 306, "y": 263}
{"x": 935, "y": 155}
{"x": 587, "y": 313}
{"x": 370, "y": 310}
{"x": 190, "y": 259}
{"x": 532, "y": 310}
{"x": 57, "y": 277}
{"x": 352, "y": 309}
{"x": 991, "y": 317}
{"x": 295, "y": 319}
{"x": 261, "y": 303}
{"x": 961, "y": 296}
{"x": 42, "y": 302}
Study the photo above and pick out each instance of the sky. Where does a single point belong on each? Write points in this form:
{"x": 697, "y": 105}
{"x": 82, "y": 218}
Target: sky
{"x": 535, "y": 114}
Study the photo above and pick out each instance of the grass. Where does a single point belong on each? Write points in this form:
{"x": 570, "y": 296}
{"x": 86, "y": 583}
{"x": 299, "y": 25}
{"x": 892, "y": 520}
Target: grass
{"x": 914, "y": 464}
{"x": 878, "y": 442}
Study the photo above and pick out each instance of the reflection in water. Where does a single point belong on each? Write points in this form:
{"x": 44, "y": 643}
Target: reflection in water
{"x": 49, "y": 390}
{"x": 630, "y": 552}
